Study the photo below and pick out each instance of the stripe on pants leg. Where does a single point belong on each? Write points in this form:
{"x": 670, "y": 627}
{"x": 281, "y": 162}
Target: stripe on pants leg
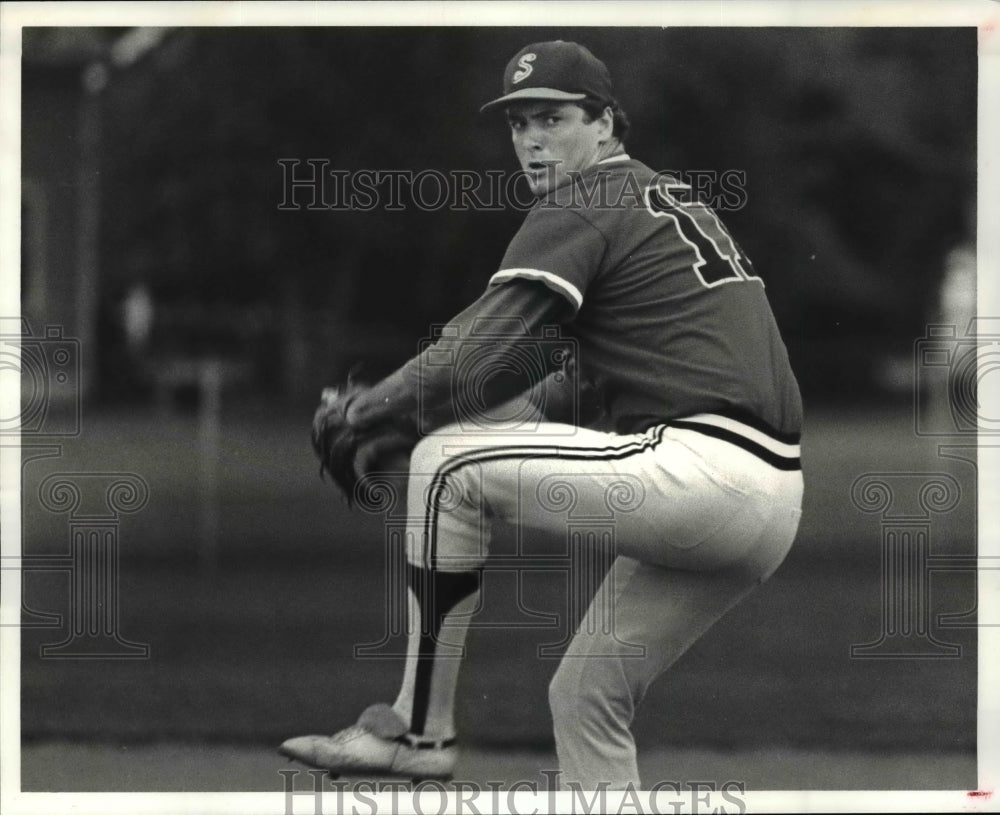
{"x": 437, "y": 593}
{"x": 524, "y": 452}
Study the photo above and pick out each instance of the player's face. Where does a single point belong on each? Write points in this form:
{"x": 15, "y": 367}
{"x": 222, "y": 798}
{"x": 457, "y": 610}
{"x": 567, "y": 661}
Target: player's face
{"x": 553, "y": 139}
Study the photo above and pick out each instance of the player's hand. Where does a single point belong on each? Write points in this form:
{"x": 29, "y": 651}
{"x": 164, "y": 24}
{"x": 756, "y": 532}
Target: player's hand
{"x": 349, "y": 453}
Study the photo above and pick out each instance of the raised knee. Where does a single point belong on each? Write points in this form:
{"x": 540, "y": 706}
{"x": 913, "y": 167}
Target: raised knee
{"x": 432, "y": 450}
{"x": 427, "y": 455}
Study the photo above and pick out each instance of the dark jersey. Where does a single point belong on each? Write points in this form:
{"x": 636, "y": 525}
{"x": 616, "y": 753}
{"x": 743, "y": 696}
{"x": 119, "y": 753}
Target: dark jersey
{"x": 670, "y": 318}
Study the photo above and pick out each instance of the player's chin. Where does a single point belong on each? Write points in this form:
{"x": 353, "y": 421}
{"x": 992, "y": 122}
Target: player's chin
{"x": 538, "y": 183}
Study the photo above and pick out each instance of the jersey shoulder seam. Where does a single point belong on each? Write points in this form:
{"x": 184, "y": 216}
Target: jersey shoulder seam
{"x": 592, "y": 225}
{"x": 582, "y": 217}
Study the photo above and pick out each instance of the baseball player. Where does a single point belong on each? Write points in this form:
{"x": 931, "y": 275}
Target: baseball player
{"x": 700, "y": 415}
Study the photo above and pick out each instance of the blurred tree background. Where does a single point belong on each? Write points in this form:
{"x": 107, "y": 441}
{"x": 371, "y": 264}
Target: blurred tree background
{"x": 858, "y": 147}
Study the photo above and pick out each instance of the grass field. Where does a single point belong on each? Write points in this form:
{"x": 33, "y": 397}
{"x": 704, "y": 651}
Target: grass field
{"x": 58, "y": 766}
{"x": 261, "y": 646}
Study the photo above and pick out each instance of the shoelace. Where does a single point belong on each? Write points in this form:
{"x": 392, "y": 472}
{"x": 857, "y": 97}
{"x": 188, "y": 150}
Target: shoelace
{"x": 349, "y": 734}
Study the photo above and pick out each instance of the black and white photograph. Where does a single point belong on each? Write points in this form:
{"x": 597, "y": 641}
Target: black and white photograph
{"x": 499, "y": 407}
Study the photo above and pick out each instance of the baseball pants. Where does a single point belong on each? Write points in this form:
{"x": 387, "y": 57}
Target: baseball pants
{"x": 701, "y": 511}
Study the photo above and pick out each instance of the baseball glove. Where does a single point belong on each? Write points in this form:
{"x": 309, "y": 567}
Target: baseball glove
{"x": 349, "y": 453}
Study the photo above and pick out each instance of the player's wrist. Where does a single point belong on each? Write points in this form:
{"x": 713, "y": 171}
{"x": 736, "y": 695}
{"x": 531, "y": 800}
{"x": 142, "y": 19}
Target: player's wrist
{"x": 389, "y": 400}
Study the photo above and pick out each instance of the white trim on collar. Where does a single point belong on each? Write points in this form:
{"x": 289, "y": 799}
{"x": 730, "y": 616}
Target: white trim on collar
{"x": 619, "y": 157}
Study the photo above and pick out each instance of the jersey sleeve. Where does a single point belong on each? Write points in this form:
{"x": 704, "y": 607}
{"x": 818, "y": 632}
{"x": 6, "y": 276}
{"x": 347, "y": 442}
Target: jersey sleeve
{"x": 506, "y": 319}
{"x": 559, "y": 248}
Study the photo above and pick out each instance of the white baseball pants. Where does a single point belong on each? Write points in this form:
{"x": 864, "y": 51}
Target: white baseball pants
{"x": 701, "y": 511}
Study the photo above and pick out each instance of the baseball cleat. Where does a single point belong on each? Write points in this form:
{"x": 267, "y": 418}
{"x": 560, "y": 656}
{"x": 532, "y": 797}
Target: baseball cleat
{"x": 378, "y": 744}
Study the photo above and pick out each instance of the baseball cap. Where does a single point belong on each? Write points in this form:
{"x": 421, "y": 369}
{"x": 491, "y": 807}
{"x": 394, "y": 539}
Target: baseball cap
{"x": 558, "y": 70}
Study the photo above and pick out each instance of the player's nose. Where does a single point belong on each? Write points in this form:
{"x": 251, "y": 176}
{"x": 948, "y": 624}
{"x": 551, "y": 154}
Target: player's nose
{"x": 531, "y": 138}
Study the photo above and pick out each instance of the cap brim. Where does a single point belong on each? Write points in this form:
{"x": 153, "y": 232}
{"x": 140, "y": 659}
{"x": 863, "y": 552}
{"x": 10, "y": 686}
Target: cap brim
{"x": 527, "y": 94}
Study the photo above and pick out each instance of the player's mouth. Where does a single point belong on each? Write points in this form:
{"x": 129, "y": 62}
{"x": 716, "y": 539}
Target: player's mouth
{"x": 538, "y": 167}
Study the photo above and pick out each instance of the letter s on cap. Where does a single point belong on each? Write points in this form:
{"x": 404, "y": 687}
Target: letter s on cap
{"x": 524, "y": 63}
